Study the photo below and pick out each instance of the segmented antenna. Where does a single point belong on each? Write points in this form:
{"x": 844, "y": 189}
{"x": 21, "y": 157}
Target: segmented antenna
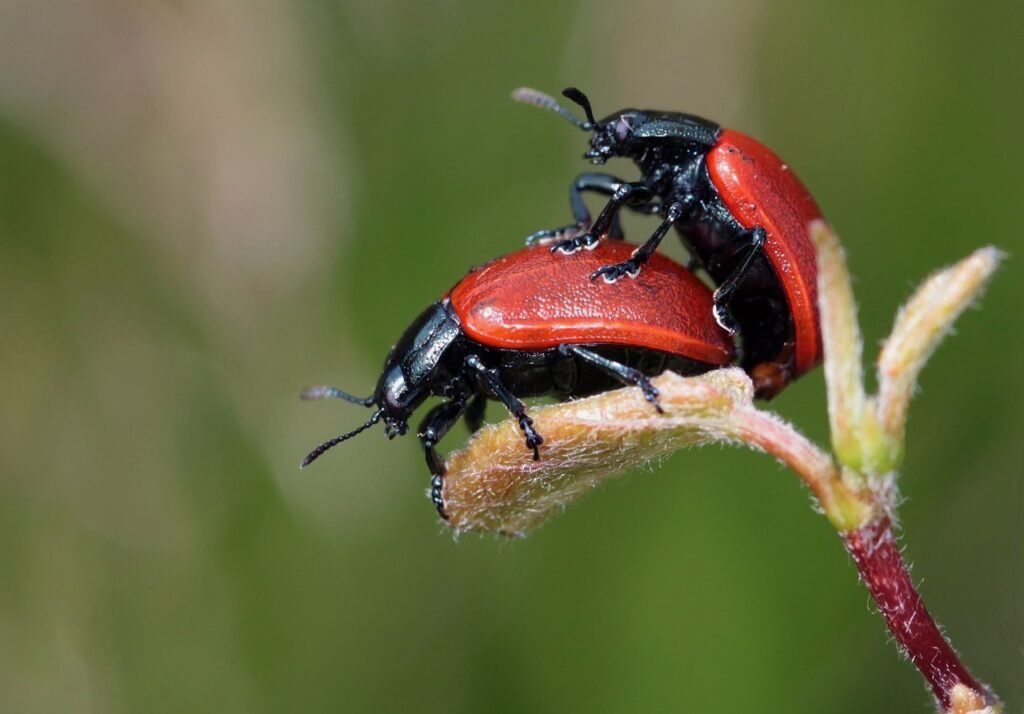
{"x": 325, "y": 392}
{"x": 581, "y": 99}
{"x": 539, "y": 99}
{"x": 331, "y": 443}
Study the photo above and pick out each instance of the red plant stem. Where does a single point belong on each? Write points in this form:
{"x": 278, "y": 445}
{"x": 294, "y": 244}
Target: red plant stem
{"x": 883, "y": 571}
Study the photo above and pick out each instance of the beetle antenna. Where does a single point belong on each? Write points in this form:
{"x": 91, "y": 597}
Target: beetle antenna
{"x": 581, "y": 99}
{"x": 331, "y": 443}
{"x": 325, "y": 392}
{"x": 539, "y": 99}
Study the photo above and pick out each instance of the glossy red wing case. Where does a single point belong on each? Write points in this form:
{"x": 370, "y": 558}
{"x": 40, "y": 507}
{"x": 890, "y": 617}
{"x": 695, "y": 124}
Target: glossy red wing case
{"x": 537, "y": 300}
{"x": 759, "y": 189}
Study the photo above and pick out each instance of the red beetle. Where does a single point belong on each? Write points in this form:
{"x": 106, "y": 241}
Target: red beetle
{"x": 526, "y": 325}
{"x": 741, "y": 210}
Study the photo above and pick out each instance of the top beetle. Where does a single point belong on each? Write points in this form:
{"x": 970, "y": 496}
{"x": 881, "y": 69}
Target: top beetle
{"x": 739, "y": 208}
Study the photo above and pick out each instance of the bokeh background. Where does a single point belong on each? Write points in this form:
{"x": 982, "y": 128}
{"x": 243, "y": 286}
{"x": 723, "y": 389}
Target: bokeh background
{"x": 205, "y": 206}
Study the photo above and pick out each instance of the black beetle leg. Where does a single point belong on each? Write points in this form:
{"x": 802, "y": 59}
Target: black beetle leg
{"x": 623, "y": 194}
{"x": 552, "y": 233}
{"x": 433, "y": 428}
{"x": 604, "y": 184}
{"x": 494, "y": 384}
{"x": 607, "y": 222}
{"x": 626, "y": 375}
{"x": 591, "y": 182}
{"x": 475, "y": 413}
{"x": 753, "y": 241}
{"x": 641, "y": 255}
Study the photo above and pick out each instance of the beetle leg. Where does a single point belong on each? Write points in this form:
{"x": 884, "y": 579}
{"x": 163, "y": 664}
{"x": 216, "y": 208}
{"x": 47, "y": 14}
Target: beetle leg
{"x": 492, "y": 380}
{"x": 625, "y": 374}
{"x": 547, "y": 234}
{"x": 621, "y": 194}
{"x": 604, "y": 184}
{"x": 724, "y": 293}
{"x": 641, "y": 255}
{"x": 475, "y": 413}
{"x": 433, "y": 428}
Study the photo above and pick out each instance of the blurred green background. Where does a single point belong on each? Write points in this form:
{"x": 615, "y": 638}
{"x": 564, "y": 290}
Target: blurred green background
{"x": 205, "y": 206}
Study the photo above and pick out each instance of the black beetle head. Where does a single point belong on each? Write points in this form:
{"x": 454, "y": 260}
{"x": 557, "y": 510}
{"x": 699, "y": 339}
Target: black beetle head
{"x": 411, "y": 371}
{"x": 612, "y": 136}
{"x": 394, "y": 404}
{"x": 414, "y": 367}
{"x": 394, "y": 400}
{"x": 397, "y": 399}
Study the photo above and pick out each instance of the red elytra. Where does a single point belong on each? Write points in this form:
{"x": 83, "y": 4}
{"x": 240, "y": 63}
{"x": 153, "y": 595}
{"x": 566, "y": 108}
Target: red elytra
{"x": 530, "y": 301}
{"x": 759, "y": 189}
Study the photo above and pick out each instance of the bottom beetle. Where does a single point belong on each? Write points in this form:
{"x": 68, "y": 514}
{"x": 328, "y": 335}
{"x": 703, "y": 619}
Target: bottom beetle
{"x": 526, "y": 325}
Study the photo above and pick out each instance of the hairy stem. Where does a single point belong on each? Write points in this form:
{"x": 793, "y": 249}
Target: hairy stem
{"x": 885, "y": 575}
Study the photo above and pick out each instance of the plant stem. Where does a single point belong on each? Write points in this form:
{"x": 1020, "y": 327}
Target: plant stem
{"x": 884, "y": 572}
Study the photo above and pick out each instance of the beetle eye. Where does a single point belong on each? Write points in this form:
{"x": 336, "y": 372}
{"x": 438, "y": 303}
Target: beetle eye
{"x": 622, "y": 128}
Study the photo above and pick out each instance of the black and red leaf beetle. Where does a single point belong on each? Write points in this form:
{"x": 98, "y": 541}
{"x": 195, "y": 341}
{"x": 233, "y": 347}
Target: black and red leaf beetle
{"x": 742, "y": 212}
{"x": 525, "y": 325}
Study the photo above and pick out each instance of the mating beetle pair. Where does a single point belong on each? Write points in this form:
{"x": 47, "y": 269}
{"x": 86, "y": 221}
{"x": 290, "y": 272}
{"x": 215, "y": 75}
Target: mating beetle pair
{"x": 532, "y": 323}
{"x": 527, "y": 325}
